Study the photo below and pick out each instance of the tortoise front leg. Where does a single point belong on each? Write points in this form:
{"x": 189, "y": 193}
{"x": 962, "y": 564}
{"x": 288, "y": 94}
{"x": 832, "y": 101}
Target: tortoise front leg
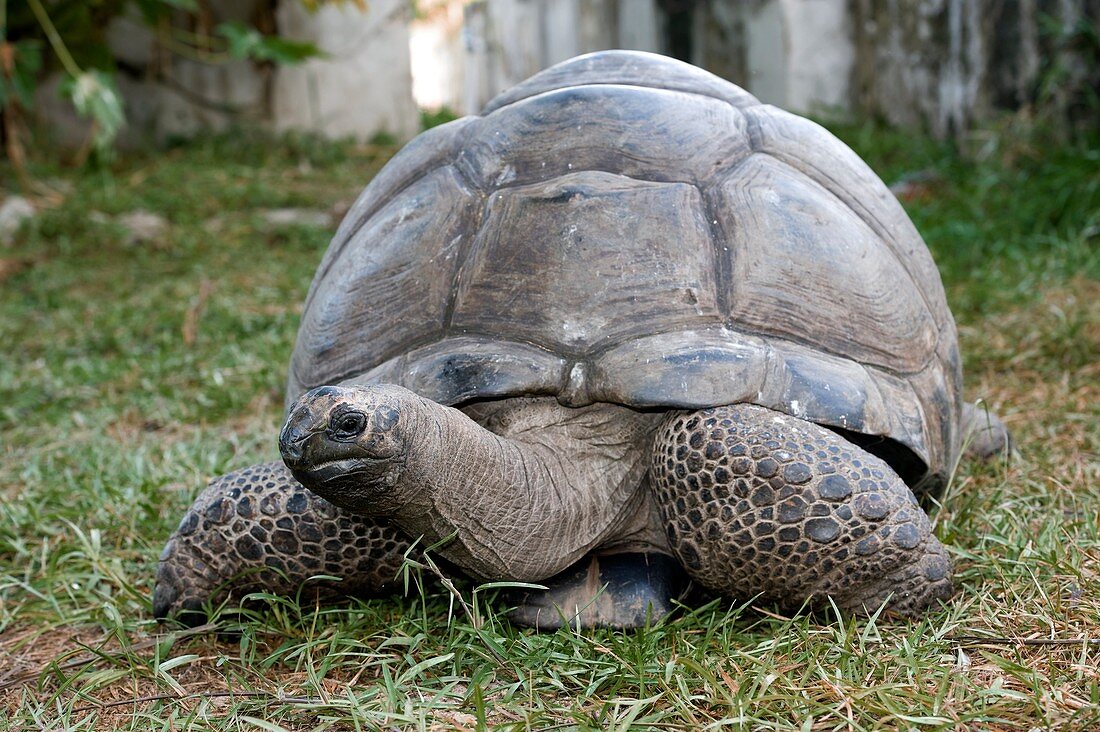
{"x": 758, "y": 503}
{"x": 259, "y": 529}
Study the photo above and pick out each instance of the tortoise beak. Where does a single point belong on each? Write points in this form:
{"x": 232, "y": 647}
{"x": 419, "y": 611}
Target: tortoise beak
{"x": 297, "y": 439}
{"x": 306, "y": 419}
{"x": 292, "y": 442}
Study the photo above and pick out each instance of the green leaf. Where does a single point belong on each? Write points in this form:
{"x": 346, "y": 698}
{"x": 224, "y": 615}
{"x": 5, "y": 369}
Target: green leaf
{"x": 96, "y": 97}
{"x": 243, "y": 39}
{"x": 286, "y": 51}
{"x": 247, "y": 42}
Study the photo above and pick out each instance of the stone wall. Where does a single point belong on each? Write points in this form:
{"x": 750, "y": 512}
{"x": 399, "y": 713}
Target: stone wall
{"x": 360, "y": 88}
{"x": 943, "y": 65}
{"x": 508, "y": 40}
{"x": 947, "y": 64}
{"x": 363, "y": 85}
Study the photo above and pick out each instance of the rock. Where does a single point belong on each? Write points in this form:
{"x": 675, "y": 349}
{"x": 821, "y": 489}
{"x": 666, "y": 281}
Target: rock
{"x": 282, "y": 217}
{"x": 215, "y": 224}
{"x": 142, "y": 226}
{"x": 13, "y": 212}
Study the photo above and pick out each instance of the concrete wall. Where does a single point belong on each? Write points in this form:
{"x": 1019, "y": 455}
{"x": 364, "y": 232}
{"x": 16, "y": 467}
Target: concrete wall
{"x": 948, "y": 64}
{"x": 465, "y": 53}
{"x": 437, "y": 47}
{"x": 922, "y": 64}
{"x": 820, "y": 55}
{"x": 943, "y": 65}
{"x": 794, "y": 53}
{"x": 940, "y": 65}
{"x": 364, "y": 84}
{"x": 362, "y": 87}
{"x": 177, "y": 96}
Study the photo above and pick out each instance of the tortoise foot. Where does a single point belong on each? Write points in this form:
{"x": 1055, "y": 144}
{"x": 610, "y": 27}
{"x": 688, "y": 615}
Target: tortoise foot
{"x": 620, "y": 591}
{"x": 762, "y": 504}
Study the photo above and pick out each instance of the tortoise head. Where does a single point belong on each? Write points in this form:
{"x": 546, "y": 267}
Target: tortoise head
{"x": 349, "y": 444}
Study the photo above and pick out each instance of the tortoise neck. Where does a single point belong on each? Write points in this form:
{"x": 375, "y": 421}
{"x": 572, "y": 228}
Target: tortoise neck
{"x": 524, "y": 504}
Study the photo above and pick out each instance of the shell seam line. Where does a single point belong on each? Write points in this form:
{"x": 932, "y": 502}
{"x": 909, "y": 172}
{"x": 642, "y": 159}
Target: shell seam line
{"x": 488, "y": 110}
{"x": 719, "y": 237}
{"x": 480, "y": 212}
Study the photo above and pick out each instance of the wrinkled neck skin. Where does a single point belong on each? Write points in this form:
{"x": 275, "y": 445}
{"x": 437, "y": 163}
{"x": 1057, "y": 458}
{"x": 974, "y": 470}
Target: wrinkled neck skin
{"x": 530, "y": 495}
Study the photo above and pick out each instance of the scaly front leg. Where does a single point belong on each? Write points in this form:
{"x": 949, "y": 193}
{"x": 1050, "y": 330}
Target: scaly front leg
{"x": 759, "y": 503}
{"x": 259, "y": 529}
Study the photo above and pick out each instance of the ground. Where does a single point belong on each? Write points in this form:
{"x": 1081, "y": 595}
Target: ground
{"x": 135, "y": 368}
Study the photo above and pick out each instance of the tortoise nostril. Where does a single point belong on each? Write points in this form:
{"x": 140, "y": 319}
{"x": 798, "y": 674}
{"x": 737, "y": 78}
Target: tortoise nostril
{"x": 291, "y": 443}
{"x": 291, "y": 452}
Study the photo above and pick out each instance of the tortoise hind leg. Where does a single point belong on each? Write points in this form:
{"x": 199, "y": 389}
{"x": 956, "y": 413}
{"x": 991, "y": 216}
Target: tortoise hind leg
{"x": 758, "y": 503}
{"x": 984, "y": 435}
{"x": 260, "y": 529}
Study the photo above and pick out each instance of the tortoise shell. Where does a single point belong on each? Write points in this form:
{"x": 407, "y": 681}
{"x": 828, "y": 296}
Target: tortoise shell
{"x": 627, "y": 228}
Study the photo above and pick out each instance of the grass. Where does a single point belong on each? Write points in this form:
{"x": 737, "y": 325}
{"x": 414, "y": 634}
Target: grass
{"x": 134, "y": 373}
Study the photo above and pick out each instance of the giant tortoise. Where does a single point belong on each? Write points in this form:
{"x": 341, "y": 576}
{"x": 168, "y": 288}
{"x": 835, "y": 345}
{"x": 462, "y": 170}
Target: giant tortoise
{"x": 628, "y": 327}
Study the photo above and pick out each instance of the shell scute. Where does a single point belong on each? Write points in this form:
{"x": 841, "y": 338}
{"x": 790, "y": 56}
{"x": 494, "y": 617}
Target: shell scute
{"x": 625, "y": 68}
{"x": 673, "y": 136}
{"x": 389, "y": 286}
{"x": 424, "y": 153}
{"x": 806, "y": 267}
{"x": 692, "y": 368}
{"x": 811, "y": 149}
{"x": 615, "y": 258}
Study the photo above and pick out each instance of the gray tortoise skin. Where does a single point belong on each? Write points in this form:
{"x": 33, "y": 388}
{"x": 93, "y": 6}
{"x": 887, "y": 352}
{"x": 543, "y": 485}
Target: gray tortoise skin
{"x": 673, "y": 322}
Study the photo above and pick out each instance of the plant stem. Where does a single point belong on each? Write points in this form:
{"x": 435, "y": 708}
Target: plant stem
{"x": 191, "y": 52}
{"x": 55, "y": 38}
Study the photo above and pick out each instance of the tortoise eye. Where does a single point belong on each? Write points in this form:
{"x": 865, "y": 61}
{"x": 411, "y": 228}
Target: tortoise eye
{"x": 349, "y": 424}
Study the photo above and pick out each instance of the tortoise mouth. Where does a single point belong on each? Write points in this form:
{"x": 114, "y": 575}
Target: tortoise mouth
{"x": 363, "y": 469}
{"x": 362, "y": 485}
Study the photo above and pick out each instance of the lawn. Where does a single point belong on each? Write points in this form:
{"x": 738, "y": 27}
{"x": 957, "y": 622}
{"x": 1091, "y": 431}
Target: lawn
{"x": 133, "y": 372}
